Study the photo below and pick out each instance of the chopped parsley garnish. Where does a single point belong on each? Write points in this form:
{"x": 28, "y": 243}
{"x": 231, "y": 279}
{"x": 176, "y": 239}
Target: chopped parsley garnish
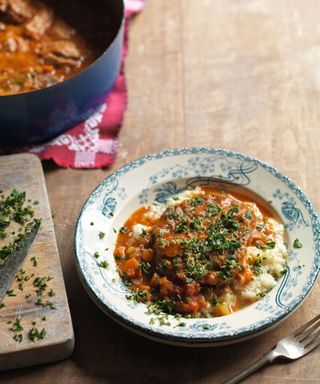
{"x": 228, "y": 221}
{"x": 145, "y": 266}
{"x": 40, "y": 283}
{"x": 34, "y": 261}
{"x": 18, "y": 337}
{"x": 49, "y": 304}
{"x": 101, "y": 235}
{"x": 143, "y": 233}
{"x": 13, "y": 209}
{"x": 170, "y": 213}
{"x": 123, "y": 230}
{"x": 35, "y": 334}
{"x": 267, "y": 245}
{"x": 16, "y": 325}
{"x": 181, "y": 227}
{"x": 195, "y": 224}
{"x": 297, "y": 244}
{"x": 212, "y": 210}
{"x": 163, "y": 265}
{"x": 138, "y": 296}
{"x": 227, "y": 268}
{"x": 195, "y": 270}
{"x": 259, "y": 226}
{"x": 103, "y": 264}
{"x": 270, "y": 244}
{"x": 256, "y": 268}
{"x": 195, "y": 201}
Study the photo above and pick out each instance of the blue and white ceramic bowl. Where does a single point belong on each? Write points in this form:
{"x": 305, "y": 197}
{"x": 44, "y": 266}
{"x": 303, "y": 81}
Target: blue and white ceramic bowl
{"x": 154, "y": 178}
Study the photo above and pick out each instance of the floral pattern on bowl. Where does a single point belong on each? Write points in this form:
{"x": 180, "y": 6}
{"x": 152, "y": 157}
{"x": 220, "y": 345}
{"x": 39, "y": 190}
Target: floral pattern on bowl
{"x": 161, "y": 175}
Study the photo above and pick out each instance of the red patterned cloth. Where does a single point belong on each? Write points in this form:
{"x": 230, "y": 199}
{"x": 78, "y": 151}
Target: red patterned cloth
{"x": 94, "y": 142}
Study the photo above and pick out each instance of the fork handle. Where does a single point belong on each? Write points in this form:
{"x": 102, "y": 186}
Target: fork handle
{"x": 265, "y": 359}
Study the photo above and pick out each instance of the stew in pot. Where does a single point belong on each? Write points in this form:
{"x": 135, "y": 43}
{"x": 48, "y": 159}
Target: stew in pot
{"x": 38, "y": 47}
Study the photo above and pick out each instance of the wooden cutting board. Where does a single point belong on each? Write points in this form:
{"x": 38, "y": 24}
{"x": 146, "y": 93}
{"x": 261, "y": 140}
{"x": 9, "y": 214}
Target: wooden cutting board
{"x": 24, "y": 173}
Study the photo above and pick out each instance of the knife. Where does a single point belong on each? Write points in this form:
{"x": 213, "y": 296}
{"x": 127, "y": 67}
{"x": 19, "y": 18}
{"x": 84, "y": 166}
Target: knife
{"x": 14, "y": 260}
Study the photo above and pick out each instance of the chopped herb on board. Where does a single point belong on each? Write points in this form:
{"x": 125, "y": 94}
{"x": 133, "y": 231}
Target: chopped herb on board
{"x": 14, "y": 210}
{"x": 16, "y": 325}
{"x": 297, "y": 243}
{"x": 49, "y": 304}
{"x": 41, "y": 284}
{"x": 18, "y": 337}
{"x": 35, "y": 334}
{"x": 34, "y": 261}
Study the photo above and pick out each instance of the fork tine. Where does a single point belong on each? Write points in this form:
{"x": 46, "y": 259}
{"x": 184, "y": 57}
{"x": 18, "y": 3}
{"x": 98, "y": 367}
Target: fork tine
{"x": 310, "y": 339}
{"x": 305, "y": 326}
{"x": 312, "y": 345}
{"x": 307, "y": 332}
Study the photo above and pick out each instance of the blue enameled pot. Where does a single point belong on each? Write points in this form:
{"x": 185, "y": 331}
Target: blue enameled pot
{"x": 37, "y": 116}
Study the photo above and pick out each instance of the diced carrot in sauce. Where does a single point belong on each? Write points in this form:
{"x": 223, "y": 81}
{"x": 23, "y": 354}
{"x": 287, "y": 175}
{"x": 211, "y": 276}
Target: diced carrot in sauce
{"x": 222, "y": 309}
{"x": 47, "y": 68}
{"x": 147, "y": 254}
{"x": 190, "y": 307}
{"x": 192, "y": 289}
{"x": 131, "y": 268}
{"x": 245, "y": 277}
{"x": 120, "y": 251}
{"x": 144, "y": 287}
{"x": 167, "y": 287}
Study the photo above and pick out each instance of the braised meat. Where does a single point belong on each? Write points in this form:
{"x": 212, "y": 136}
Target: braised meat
{"x": 17, "y": 11}
{"x": 62, "y": 52}
{"x": 40, "y": 22}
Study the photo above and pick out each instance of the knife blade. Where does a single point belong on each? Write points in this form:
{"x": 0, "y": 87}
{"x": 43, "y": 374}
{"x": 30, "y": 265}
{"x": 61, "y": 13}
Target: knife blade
{"x": 14, "y": 260}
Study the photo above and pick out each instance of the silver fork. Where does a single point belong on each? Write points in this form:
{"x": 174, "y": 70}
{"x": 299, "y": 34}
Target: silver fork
{"x": 292, "y": 347}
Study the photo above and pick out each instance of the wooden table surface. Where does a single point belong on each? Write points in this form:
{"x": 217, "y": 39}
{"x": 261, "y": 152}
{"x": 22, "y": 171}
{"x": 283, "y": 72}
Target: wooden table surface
{"x": 238, "y": 74}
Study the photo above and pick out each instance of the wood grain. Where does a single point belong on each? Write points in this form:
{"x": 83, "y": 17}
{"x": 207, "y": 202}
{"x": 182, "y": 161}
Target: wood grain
{"x": 238, "y": 74}
{"x": 24, "y": 173}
